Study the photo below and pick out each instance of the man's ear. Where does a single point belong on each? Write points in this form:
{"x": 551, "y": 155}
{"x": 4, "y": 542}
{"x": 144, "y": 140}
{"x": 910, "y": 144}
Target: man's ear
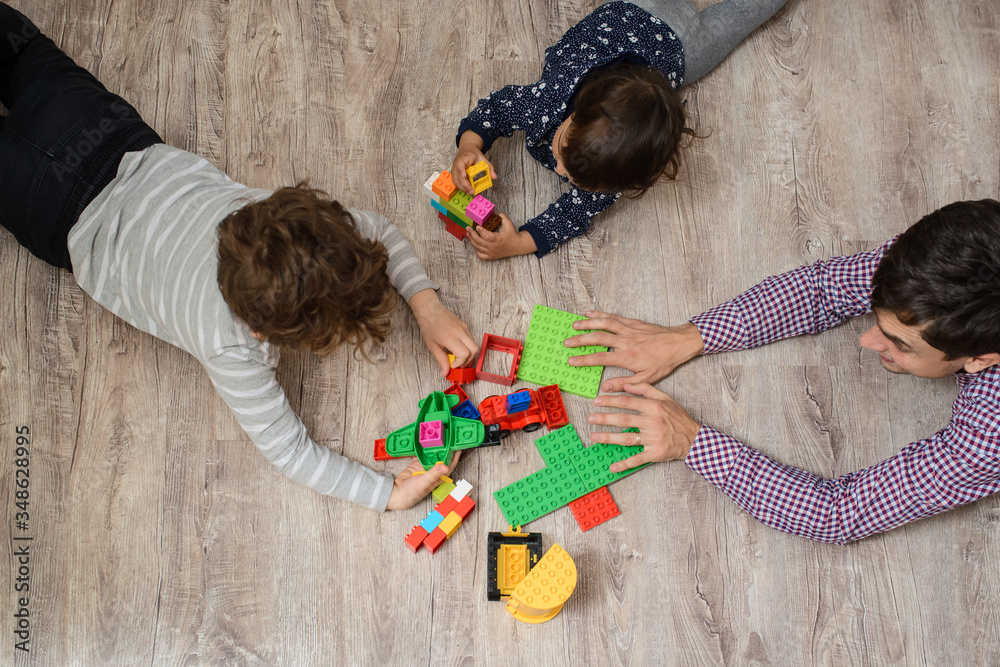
{"x": 982, "y": 362}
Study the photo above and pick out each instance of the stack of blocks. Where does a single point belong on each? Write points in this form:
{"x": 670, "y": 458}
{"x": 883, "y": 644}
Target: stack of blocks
{"x": 454, "y": 504}
{"x": 459, "y": 210}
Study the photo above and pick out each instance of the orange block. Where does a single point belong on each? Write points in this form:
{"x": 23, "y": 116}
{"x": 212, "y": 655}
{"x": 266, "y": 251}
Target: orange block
{"x": 444, "y": 187}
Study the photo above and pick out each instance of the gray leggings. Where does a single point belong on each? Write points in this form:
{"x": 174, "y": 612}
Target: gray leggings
{"x": 708, "y": 36}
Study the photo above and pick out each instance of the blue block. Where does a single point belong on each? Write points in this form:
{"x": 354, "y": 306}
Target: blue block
{"x": 518, "y": 401}
{"x": 431, "y": 522}
{"x": 466, "y": 409}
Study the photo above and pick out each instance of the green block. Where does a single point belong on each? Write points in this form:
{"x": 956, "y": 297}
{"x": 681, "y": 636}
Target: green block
{"x": 442, "y": 491}
{"x": 544, "y": 360}
{"x": 457, "y": 204}
{"x": 571, "y": 471}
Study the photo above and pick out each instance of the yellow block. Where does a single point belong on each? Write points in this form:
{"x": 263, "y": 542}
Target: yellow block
{"x": 479, "y": 177}
{"x": 542, "y": 594}
{"x": 450, "y": 523}
{"x": 512, "y": 565}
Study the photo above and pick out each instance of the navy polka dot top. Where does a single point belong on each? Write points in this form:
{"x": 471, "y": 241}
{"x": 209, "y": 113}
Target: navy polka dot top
{"x": 612, "y": 32}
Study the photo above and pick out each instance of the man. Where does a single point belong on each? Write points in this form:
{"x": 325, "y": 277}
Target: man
{"x": 935, "y": 291}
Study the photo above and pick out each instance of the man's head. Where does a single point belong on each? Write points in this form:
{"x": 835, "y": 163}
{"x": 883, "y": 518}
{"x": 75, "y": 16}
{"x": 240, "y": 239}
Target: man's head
{"x": 296, "y": 270}
{"x": 936, "y": 294}
{"x": 624, "y": 133}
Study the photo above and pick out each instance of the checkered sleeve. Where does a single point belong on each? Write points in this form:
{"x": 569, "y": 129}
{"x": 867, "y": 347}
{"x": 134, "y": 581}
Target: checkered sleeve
{"x": 957, "y": 465}
{"x": 808, "y": 299}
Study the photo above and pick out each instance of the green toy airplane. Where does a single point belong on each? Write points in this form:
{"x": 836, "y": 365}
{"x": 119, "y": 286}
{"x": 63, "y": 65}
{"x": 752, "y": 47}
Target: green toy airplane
{"x": 459, "y": 432}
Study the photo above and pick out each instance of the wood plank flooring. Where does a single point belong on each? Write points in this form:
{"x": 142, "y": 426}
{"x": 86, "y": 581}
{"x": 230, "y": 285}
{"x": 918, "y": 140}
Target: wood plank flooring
{"x": 160, "y": 536}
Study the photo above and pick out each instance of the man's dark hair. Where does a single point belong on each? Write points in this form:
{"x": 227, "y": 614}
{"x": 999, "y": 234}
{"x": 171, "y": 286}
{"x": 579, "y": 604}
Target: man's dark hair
{"x": 944, "y": 272}
{"x": 627, "y": 126}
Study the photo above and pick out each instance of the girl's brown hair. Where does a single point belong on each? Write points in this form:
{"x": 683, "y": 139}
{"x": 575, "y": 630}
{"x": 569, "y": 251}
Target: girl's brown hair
{"x": 296, "y": 270}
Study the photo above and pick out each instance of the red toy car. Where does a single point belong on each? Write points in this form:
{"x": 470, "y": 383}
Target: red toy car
{"x": 546, "y": 407}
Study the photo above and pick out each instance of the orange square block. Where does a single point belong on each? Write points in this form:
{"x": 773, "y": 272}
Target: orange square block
{"x": 444, "y": 187}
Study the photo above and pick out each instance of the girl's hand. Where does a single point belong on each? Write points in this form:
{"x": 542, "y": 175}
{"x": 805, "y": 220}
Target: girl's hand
{"x": 505, "y": 242}
{"x": 650, "y": 351}
{"x": 666, "y": 431}
{"x": 442, "y": 331}
{"x": 408, "y": 489}
{"x": 470, "y": 151}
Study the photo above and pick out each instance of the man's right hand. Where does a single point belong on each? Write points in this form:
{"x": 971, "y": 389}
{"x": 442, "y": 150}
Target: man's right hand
{"x": 470, "y": 151}
{"x": 650, "y": 351}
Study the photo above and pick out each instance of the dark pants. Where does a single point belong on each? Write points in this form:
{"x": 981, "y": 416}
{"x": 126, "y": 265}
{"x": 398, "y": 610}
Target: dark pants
{"x": 61, "y": 142}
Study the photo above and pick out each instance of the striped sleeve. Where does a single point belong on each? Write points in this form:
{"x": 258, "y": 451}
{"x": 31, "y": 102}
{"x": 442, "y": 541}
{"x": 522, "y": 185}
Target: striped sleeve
{"x": 405, "y": 271}
{"x": 259, "y": 404}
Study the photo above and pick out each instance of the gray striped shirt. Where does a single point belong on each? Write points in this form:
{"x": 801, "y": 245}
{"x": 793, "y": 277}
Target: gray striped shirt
{"x": 145, "y": 248}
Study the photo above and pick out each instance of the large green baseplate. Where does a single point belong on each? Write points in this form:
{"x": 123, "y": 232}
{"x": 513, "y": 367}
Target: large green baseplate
{"x": 571, "y": 471}
{"x": 544, "y": 360}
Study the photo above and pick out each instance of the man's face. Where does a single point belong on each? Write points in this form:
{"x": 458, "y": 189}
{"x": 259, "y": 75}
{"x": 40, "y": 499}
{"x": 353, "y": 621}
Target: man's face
{"x": 901, "y": 349}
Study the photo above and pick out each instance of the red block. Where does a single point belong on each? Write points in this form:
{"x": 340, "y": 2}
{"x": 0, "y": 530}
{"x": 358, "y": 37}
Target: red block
{"x": 446, "y": 506}
{"x": 555, "y": 409}
{"x": 594, "y": 508}
{"x": 500, "y": 344}
{"x": 380, "y": 453}
{"x": 458, "y": 391}
{"x": 462, "y": 375}
{"x": 434, "y": 541}
{"x": 415, "y": 538}
{"x": 465, "y": 507}
{"x": 456, "y": 230}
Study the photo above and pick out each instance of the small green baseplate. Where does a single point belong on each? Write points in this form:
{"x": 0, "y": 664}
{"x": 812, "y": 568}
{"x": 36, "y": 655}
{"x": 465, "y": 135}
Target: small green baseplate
{"x": 544, "y": 360}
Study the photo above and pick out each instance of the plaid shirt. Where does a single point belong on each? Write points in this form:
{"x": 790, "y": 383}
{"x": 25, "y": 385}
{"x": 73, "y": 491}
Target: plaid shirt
{"x": 957, "y": 465}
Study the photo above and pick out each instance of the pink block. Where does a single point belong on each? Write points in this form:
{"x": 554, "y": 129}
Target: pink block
{"x": 431, "y": 434}
{"x": 479, "y": 209}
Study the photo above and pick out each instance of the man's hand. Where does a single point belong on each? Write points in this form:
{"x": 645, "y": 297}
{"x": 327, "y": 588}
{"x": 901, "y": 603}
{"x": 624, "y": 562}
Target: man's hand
{"x": 470, "y": 151}
{"x": 666, "y": 432}
{"x": 651, "y": 352}
{"x": 408, "y": 489}
{"x": 505, "y": 242}
{"x": 442, "y": 331}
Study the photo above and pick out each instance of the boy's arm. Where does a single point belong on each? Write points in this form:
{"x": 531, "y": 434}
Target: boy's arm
{"x": 566, "y": 218}
{"x": 405, "y": 271}
{"x": 259, "y": 404}
{"x": 808, "y": 299}
{"x": 955, "y": 466}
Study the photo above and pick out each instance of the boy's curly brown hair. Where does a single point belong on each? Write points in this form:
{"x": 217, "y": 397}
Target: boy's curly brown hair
{"x": 626, "y": 130}
{"x": 296, "y": 270}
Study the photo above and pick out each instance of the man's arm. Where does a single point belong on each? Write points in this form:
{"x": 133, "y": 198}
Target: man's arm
{"x": 809, "y": 299}
{"x": 955, "y": 466}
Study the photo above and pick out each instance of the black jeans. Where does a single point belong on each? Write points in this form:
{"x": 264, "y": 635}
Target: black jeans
{"x": 61, "y": 142}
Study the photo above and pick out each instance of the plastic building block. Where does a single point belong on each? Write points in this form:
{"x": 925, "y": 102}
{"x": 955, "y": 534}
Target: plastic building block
{"x": 461, "y": 375}
{"x": 495, "y": 410}
{"x": 499, "y": 344}
{"x": 458, "y": 433}
{"x": 456, "y": 390}
{"x": 594, "y": 508}
{"x": 380, "y": 453}
{"x": 431, "y": 521}
{"x": 432, "y": 434}
{"x": 451, "y": 217}
{"x": 466, "y": 409}
{"x": 509, "y": 558}
{"x": 494, "y": 435}
{"x": 571, "y": 471}
{"x": 434, "y": 541}
{"x": 555, "y": 410}
{"x": 456, "y": 206}
{"x": 461, "y": 490}
{"x": 464, "y": 507}
{"x": 443, "y": 186}
{"x": 542, "y": 594}
{"x": 442, "y": 491}
{"x": 447, "y": 504}
{"x": 479, "y": 209}
{"x": 415, "y": 538}
{"x": 428, "y": 188}
{"x": 479, "y": 177}
{"x": 493, "y": 223}
{"x": 518, "y": 401}
{"x": 450, "y": 524}
{"x": 456, "y": 230}
{"x": 544, "y": 360}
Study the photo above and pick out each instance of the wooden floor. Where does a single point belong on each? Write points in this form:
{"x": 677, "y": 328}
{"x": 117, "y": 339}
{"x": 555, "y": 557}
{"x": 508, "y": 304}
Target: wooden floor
{"x": 160, "y": 536}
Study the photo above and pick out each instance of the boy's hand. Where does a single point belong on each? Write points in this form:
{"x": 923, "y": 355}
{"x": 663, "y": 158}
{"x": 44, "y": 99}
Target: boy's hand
{"x": 505, "y": 242}
{"x": 666, "y": 431}
{"x": 443, "y": 332}
{"x": 470, "y": 151}
{"x": 650, "y": 351}
{"x": 409, "y": 489}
